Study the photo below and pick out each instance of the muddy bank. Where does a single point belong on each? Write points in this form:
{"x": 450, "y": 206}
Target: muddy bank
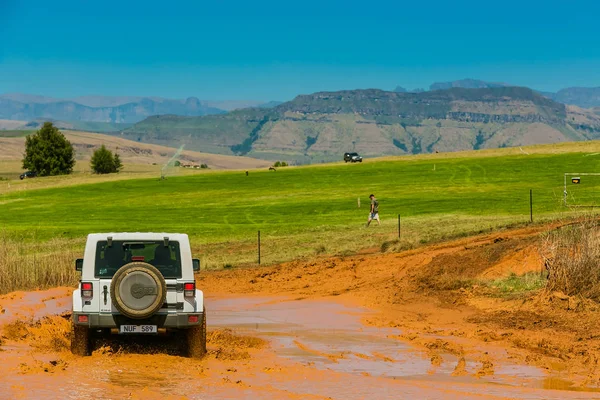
{"x": 266, "y": 347}
{"x": 408, "y": 325}
{"x": 437, "y": 292}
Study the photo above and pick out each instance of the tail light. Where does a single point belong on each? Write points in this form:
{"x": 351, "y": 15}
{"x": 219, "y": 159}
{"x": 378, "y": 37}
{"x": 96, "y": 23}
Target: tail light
{"x": 87, "y": 290}
{"x": 193, "y": 319}
{"x": 82, "y": 318}
{"x": 189, "y": 289}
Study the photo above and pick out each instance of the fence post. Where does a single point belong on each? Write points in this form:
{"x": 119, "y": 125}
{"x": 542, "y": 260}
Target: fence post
{"x": 399, "y": 228}
{"x": 258, "y": 247}
{"x": 531, "y": 205}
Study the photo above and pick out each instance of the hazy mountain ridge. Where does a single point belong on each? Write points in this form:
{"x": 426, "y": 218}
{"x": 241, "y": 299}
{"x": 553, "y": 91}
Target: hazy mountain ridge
{"x": 465, "y": 84}
{"x": 124, "y": 113}
{"x": 586, "y": 97}
{"x": 112, "y": 109}
{"x": 320, "y": 126}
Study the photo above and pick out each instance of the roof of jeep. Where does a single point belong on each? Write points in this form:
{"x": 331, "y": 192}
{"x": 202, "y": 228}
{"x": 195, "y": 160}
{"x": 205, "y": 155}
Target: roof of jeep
{"x": 137, "y": 236}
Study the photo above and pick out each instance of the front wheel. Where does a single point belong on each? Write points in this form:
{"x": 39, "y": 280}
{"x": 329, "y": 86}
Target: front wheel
{"x": 80, "y": 341}
{"x": 196, "y": 339}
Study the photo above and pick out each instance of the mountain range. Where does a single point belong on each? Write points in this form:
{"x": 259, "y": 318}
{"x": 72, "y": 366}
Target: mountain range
{"x": 459, "y": 115}
{"x": 110, "y": 110}
{"x": 585, "y": 97}
{"x": 321, "y": 126}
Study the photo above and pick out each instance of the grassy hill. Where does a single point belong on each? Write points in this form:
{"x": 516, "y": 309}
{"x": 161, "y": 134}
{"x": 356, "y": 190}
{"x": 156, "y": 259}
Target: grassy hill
{"x": 305, "y": 211}
{"x": 321, "y": 126}
{"x": 138, "y": 158}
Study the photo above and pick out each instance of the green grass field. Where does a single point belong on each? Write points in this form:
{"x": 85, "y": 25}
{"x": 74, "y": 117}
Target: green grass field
{"x": 305, "y": 211}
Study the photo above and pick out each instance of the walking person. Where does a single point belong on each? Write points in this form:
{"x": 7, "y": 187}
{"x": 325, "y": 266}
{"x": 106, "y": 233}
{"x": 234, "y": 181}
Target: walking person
{"x": 374, "y": 212}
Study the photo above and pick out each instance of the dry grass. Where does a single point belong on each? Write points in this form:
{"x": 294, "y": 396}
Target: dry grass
{"x": 28, "y": 264}
{"x": 571, "y": 256}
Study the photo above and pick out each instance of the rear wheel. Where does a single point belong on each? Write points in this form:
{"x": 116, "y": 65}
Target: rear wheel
{"x": 80, "y": 340}
{"x": 196, "y": 339}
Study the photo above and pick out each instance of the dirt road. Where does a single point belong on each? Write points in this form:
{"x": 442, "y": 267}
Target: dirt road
{"x": 374, "y": 325}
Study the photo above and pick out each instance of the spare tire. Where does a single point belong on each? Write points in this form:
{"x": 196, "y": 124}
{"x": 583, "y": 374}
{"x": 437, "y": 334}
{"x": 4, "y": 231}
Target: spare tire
{"x": 138, "y": 290}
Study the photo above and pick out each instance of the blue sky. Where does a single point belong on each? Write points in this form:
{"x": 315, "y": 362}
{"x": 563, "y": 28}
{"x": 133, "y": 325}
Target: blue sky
{"x": 274, "y": 50}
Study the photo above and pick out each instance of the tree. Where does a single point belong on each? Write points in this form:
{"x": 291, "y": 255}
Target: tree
{"x": 48, "y": 152}
{"x": 118, "y": 163}
{"x": 104, "y": 162}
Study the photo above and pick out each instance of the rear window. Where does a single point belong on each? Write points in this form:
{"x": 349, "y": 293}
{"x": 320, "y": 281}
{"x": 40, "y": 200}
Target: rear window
{"x": 110, "y": 258}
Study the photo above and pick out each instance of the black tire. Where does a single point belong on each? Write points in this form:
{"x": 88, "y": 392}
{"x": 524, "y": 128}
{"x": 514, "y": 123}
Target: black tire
{"x": 80, "y": 341}
{"x": 360, "y": 161}
{"x": 158, "y": 290}
{"x": 196, "y": 339}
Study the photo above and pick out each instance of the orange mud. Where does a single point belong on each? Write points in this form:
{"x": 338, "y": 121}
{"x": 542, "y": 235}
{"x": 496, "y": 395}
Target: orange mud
{"x": 420, "y": 324}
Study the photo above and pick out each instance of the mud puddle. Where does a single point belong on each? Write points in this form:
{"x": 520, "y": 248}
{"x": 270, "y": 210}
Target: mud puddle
{"x": 317, "y": 349}
{"x": 330, "y": 336}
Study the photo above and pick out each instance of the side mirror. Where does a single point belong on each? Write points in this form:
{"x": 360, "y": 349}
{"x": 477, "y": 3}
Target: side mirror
{"x": 79, "y": 264}
{"x": 196, "y": 264}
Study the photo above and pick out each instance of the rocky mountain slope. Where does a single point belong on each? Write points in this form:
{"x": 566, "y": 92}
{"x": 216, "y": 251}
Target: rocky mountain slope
{"x": 321, "y": 126}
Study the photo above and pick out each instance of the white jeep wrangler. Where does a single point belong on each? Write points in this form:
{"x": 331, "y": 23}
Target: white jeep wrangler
{"x": 138, "y": 284}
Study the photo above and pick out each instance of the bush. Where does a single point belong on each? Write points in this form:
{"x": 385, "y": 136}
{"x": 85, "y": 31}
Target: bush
{"x": 571, "y": 256}
{"x": 48, "y": 152}
{"x": 277, "y": 164}
{"x": 203, "y": 166}
{"x": 104, "y": 162}
{"x": 280, "y": 164}
{"x": 177, "y": 163}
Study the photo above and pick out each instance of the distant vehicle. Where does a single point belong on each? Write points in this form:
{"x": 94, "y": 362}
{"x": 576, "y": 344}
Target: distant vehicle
{"x": 352, "y": 157}
{"x": 28, "y": 174}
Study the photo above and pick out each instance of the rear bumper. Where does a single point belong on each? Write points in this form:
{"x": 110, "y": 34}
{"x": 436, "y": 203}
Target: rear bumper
{"x": 105, "y": 320}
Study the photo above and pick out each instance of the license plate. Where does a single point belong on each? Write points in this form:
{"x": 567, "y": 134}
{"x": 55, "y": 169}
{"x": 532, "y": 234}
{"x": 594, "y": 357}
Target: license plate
{"x": 138, "y": 329}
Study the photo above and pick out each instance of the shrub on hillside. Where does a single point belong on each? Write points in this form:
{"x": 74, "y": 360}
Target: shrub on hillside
{"x": 204, "y": 166}
{"x": 571, "y": 256}
{"x": 48, "y": 152}
{"x": 280, "y": 164}
{"x": 105, "y": 162}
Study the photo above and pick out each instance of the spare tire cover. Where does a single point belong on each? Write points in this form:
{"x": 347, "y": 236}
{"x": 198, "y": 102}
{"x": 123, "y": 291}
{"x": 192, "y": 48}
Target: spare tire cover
{"x": 138, "y": 290}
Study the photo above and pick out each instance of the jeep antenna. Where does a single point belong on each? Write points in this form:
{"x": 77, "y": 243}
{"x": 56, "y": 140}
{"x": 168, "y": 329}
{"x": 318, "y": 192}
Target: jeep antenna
{"x": 171, "y": 163}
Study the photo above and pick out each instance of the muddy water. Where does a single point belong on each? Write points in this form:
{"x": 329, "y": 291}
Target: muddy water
{"x": 318, "y": 349}
{"x": 329, "y": 336}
